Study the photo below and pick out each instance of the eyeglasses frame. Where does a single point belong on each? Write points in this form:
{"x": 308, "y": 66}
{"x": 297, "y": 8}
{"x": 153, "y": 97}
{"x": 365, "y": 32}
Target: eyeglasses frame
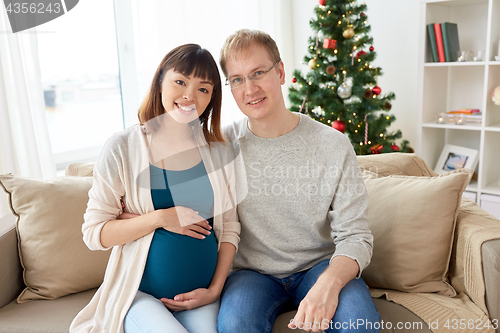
{"x": 228, "y": 83}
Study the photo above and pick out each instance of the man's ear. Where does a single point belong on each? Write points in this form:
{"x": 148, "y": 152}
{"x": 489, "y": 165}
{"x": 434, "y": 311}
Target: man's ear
{"x": 282, "y": 72}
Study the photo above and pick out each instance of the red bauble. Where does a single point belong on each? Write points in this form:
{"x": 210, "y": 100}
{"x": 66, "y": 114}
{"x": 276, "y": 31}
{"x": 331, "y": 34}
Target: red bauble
{"x": 394, "y": 148}
{"x": 372, "y": 48}
{"x": 339, "y": 125}
{"x": 363, "y": 14}
{"x": 322, "y": 2}
{"x": 377, "y": 90}
{"x": 329, "y": 43}
{"x": 294, "y": 79}
{"x": 360, "y": 53}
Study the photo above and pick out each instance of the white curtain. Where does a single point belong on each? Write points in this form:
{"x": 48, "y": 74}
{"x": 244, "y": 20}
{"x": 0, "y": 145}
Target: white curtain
{"x": 149, "y": 29}
{"x": 24, "y": 141}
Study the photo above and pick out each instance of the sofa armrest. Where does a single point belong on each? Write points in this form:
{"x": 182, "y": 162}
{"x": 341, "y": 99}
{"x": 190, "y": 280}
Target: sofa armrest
{"x": 491, "y": 270}
{"x": 11, "y": 278}
{"x": 469, "y": 264}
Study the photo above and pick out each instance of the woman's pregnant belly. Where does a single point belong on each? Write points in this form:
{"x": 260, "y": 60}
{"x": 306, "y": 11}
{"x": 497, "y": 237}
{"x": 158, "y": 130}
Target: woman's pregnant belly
{"x": 178, "y": 264}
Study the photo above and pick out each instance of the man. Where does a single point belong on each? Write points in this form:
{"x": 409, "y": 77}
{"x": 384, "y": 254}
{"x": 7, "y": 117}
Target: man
{"x": 304, "y": 238}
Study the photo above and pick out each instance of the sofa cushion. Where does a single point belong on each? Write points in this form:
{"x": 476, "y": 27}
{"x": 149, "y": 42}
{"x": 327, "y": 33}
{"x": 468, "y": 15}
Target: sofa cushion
{"x": 413, "y": 220}
{"x": 55, "y": 260}
{"x": 43, "y": 316}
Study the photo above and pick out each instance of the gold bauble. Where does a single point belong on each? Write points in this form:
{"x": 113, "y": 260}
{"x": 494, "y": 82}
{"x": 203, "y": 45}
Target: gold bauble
{"x": 312, "y": 63}
{"x": 348, "y": 33}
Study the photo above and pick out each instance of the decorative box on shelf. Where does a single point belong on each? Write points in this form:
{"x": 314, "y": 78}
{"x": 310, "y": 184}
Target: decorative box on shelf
{"x": 470, "y": 195}
{"x": 491, "y": 204}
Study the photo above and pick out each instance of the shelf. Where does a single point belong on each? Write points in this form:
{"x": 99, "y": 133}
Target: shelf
{"x": 492, "y": 188}
{"x": 493, "y": 128}
{"x": 445, "y": 86}
{"x": 472, "y": 187}
{"x": 455, "y": 64}
{"x": 471, "y": 127}
{"x": 456, "y": 3}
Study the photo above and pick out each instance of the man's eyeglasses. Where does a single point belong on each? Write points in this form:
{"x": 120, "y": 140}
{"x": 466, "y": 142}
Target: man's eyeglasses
{"x": 239, "y": 81}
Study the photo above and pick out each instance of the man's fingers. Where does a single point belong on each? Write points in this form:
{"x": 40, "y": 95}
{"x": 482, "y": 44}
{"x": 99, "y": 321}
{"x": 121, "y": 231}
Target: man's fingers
{"x": 298, "y": 320}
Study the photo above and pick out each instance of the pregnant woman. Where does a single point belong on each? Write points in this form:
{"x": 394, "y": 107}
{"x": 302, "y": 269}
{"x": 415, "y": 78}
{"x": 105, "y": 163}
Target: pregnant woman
{"x": 162, "y": 199}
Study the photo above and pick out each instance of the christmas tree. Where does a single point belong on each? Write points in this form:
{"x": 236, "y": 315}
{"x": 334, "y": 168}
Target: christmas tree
{"x": 341, "y": 88}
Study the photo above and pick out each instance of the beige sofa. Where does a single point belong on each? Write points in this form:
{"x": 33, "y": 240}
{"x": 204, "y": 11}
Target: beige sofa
{"x": 55, "y": 315}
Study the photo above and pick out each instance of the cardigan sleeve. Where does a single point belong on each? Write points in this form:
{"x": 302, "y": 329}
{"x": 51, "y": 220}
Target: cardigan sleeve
{"x": 105, "y": 195}
{"x": 231, "y": 225}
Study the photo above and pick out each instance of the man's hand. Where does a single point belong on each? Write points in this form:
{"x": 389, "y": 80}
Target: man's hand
{"x": 320, "y": 304}
{"x": 190, "y": 300}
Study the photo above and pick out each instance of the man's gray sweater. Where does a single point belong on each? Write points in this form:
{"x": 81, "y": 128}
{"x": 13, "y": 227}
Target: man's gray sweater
{"x": 306, "y": 200}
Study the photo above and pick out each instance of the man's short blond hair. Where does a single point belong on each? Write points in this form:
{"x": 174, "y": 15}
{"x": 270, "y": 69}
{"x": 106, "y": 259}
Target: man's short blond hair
{"x": 243, "y": 40}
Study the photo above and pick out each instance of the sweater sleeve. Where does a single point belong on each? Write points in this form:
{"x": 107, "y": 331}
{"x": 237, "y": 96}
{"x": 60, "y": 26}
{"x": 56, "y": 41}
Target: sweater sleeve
{"x": 348, "y": 214}
{"x": 105, "y": 195}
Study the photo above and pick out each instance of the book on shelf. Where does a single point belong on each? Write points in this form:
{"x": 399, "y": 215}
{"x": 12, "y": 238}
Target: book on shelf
{"x": 439, "y": 42}
{"x": 432, "y": 42}
{"x": 444, "y": 41}
{"x": 451, "y": 43}
{"x": 471, "y": 115}
{"x": 466, "y": 111}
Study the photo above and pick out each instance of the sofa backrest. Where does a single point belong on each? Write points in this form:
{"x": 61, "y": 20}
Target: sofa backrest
{"x": 382, "y": 164}
{"x": 395, "y": 164}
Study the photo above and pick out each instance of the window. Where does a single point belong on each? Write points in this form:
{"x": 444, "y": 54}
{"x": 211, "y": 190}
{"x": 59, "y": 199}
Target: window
{"x": 81, "y": 81}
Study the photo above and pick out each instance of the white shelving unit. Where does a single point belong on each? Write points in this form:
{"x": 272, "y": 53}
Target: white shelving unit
{"x": 450, "y": 86}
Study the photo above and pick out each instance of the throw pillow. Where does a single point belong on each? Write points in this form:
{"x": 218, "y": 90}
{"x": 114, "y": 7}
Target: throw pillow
{"x": 55, "y": 259}
{"x": 413, "y": 220}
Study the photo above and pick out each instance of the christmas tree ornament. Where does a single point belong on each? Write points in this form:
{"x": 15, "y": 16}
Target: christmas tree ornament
{"x": 312, "y": 63}
{"x": 363, "y": 14}
{"x": 348, "y": 33}
{"x": 329, "y": 43}
{"x": 345, "y": 89}
{"x": 317, "y": 111}
{"x": 322, "y": 2}
{"x": 360, "y": 53}
{"x": 394, "y": 148}
{"x": 366, "y": 127}
{"x": 372, "y": 48}
{"x": 302, "y": 106}
{"x": 377, "y": 90}
{"x": 294, "y": 80}
{"x": 330, "y": 70}
{"x": 376, "y": 149}
{"x": 368, "y": 93}
{"x": 339, "y": 125}
{"x": 387, "y": 106}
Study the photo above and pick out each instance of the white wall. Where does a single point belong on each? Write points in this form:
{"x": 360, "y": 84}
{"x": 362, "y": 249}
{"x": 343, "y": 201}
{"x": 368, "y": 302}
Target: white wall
{"x": 395, "y": 35}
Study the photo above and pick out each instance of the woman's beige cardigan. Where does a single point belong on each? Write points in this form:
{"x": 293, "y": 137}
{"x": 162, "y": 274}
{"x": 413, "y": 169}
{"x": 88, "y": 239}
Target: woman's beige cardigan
{"x": 122, "y": 172}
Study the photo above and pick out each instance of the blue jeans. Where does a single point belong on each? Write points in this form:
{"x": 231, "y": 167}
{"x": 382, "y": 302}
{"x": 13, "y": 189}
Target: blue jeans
{"x": 250, "y": 302}
{"x": 148, "y": 314}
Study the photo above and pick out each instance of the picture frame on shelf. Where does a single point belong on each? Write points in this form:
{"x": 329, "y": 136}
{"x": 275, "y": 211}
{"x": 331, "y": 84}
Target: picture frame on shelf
{"x": 455, "y": 158}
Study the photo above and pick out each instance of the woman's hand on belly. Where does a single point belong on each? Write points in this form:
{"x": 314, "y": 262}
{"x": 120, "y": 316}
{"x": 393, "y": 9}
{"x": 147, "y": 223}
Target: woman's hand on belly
{"x": 183, "y": 221}
{"x": 191, "y": 300}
